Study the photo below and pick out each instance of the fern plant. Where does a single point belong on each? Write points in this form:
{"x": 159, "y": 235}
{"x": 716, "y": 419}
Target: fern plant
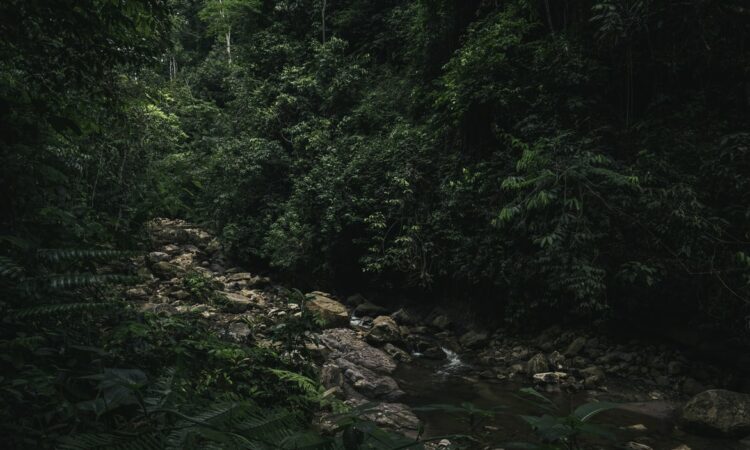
{"x": 52, "y": 303}
{"x": 558, "y": 431}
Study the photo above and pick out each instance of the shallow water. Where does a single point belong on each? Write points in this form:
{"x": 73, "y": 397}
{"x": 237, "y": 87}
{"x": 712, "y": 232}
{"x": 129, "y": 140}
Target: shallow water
{"x": 452, "y": 382}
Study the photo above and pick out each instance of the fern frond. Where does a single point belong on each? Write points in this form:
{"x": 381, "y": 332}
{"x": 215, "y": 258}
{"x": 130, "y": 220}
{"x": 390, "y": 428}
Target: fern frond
{"x": 307, "y": 440}
{"x": 72, "y": 254}
{"x": 273, "y": 426}
{"x": 9, "y": 268}
{"x": 72, "y": 280}
{"x": 21, "y": 342}
{"x": 60, "y": 308}
{"x": 146, "y": 441}
{"x": 307, "y": 385}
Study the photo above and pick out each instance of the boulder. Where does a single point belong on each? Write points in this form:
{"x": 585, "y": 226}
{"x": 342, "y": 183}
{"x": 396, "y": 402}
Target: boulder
{"x": 170, "y": 249}
{"x": 355, "y": 300}
{"x": 434, "y": 352}
{"x": 369, "y": 383}
{"x": 165, "y": 233}
{"x": 213, "y": 246}
{"x": 333, "y": 313}
{"x": 345, "y": 343}
{"x": 396, "y": 353}
{"x": 557, "y": 360}
{"x": 517, "y": 369}
{"x": 691, "y": 386}
{"x": 442, "y": 322}
{"x": 165, "y": 270}
{"x": 537, "y": 364}
{"x": 384, "y": 330}
{"x": 474, "y": 339}
{"x": 236, "y": 303}
{"x": 245, "y": 280}
{"x": 136, "y": 293}
{"x": 675, "y": 368}
{"x": 180, "y": 294}
{"x": 576, "y": 346}
{"x": 238, "y": 331}
{"x": 394, "y": 416}
{"x": 404, "y": 317}
{"x": 331, "y": 376}
{"x": 239, "y": 276}
{"x": 367, "y": 308}
{"x": 155, "y": 257}
{"x": 216, "y": 268}
{"x": 632, "y": 445}
{"x": 550, "y": 377}
{"x": 593, "y": 376}
{"x": 718, "y": 412}
{"x": 198, "y": 237}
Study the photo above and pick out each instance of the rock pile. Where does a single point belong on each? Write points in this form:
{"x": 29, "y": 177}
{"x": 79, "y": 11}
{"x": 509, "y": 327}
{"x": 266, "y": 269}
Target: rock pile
{"x": 186, "y": 271}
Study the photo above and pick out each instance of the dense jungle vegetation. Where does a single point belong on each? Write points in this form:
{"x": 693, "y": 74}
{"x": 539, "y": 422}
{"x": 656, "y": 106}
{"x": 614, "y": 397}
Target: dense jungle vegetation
{"x": 542, "y": 161}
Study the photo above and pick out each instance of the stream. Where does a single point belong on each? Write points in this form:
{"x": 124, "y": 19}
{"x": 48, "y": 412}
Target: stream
{"x": 452, "y": 382}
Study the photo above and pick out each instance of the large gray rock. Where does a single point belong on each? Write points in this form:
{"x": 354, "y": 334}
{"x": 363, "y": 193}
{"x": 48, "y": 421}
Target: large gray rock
{"x": 367, "y": 382}
{"x": 384, "y": 330}
{"x": 333, "y": 313}
{"x": 718, "y": 412}
{"x": 394, "y": 416}
{"x": 474, "y": 339}
{"x": 345, "y": 343}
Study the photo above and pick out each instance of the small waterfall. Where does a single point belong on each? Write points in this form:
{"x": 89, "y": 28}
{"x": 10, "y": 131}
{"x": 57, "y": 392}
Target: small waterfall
{"x": 453, "y": 361}
{"x": 355, "y": 321}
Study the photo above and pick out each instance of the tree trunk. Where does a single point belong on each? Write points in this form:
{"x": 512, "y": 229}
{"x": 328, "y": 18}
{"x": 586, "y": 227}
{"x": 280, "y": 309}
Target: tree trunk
{"x": 229, "y": 44}
{"x": 323, "y": 20}
{"x": 228, "y": 34}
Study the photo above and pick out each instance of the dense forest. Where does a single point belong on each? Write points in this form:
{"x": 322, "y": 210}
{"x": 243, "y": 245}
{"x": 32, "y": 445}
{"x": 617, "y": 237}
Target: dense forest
{"x": 523, "y": 163}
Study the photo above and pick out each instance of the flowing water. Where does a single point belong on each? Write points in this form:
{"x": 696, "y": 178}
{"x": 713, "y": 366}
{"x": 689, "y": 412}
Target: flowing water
{"x": 453, "y": 382}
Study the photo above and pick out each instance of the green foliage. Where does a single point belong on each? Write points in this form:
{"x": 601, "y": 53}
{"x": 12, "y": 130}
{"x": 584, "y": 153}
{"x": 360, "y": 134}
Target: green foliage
{"x": 201, "y": 288}
{"x": 475, "y": 417}
{"x": 541, "y": 152}
{"x": 563, "y": 431}
{"x": 96, "y": 374}
{"x": 221, "y": 15}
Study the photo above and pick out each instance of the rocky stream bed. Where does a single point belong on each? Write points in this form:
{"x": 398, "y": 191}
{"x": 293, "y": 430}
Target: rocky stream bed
{"x": 397, "y": 360}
